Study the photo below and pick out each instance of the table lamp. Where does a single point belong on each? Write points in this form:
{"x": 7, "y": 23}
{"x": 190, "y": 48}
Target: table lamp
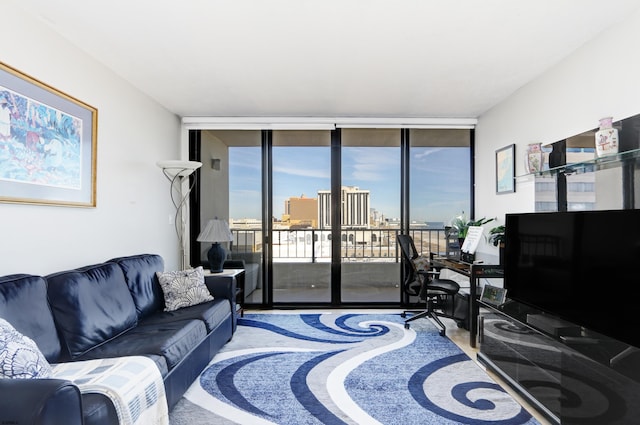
{"x": 216, "y": 231}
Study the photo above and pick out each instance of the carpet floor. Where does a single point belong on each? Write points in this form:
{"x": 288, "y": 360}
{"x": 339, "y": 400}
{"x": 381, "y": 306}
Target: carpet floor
{"x": 295, "y": 369}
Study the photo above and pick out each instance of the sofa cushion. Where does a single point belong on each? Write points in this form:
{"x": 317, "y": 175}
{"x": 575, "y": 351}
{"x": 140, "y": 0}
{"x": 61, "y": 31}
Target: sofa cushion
{"x": 23, "y": 303}
{"x": 183, "y": 288}
{"x": 211, "y": 313}
{"x": 140, "y": 275}
{"x": 170, "y": 340}
{"x": 19, "y": 355}
{"x": 91, "y": 305}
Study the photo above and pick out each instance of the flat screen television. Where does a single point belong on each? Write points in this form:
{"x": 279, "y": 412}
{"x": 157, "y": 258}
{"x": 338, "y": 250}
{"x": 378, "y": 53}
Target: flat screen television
{"x": 580, "y": 266}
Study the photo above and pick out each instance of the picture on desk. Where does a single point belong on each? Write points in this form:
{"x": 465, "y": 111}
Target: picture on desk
{"x": 493, "y": 295}
{"x": 471, "y": 241}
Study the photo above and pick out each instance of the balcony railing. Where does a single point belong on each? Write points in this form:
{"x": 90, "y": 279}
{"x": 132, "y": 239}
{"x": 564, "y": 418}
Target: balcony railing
{"x": 356, "y": 245}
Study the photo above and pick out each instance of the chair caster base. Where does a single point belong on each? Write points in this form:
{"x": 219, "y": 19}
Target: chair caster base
{"x": 407, "y": 326}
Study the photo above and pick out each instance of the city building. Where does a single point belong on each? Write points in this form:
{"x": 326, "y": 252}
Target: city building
{"x": 355, "y": 208}
{"x": 300, "y": 212}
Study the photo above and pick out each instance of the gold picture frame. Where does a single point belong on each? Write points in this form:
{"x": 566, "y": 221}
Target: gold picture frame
{"x": 48, "y": 143}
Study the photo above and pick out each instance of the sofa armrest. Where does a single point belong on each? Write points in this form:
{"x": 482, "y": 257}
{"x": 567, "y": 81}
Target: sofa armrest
{"x": 40, "y": 402}
{"x": 234, "y": 264}
{"x": 221, "y": 286}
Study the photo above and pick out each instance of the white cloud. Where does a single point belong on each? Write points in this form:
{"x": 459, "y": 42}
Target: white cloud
{"x": 305, "y": 172}
{"x": 373, "y": 164}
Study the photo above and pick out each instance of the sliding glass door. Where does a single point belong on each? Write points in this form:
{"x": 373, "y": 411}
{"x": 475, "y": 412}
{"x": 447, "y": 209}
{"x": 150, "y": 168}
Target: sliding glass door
{"x": 370, "y": 211}
{"x": 301, "y": 245}
{"x": 315, "y": 213}
{"x": 230, "y": 188}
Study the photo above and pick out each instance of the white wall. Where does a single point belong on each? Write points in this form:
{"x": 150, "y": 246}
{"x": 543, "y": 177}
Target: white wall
{"x": 600, "y": 79}
{"x": 133, "y": 204}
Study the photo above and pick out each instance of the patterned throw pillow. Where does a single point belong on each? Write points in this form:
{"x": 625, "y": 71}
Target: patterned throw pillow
{"x": 421, "y": 262}
{"x": 183, "y": 288}
{"x": 20, "y": 356}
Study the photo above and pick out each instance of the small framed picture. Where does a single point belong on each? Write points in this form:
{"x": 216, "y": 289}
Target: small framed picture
{"x": 505, "y": 169}
{"x": 493, "y": 295}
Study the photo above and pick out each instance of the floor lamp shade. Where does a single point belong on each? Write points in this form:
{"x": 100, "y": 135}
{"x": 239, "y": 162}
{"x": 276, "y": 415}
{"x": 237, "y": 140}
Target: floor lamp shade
{"x": 216, "y": 231}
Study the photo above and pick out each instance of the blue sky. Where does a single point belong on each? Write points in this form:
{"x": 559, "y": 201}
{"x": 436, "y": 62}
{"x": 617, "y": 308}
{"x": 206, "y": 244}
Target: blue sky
{"x": 439, "y": 188}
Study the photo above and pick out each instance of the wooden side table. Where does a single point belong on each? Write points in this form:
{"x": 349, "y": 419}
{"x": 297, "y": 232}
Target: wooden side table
{"x": 238, "y": 275}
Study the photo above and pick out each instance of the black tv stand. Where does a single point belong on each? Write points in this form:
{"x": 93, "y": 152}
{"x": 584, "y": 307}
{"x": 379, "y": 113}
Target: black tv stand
{"x": 570, "y": 374}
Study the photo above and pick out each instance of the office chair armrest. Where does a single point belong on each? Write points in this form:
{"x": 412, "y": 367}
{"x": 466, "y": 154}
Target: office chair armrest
{"x": 427, "y": 273}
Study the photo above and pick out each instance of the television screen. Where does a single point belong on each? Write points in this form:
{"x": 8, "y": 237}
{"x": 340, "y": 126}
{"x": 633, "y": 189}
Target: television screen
{"x": 579, "y": 266}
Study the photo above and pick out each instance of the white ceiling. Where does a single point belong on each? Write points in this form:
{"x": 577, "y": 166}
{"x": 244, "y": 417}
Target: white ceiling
{"x": 329, "y": 58}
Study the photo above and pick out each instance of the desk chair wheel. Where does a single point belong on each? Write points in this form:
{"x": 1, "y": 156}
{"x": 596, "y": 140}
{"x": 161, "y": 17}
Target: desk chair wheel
{"x": 406, "y": 325}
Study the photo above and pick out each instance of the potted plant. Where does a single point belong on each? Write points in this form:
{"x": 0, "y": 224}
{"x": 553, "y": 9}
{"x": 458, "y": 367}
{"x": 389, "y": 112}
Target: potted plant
{"x": 461, "y": 224}
{"x": 496, "y": 238}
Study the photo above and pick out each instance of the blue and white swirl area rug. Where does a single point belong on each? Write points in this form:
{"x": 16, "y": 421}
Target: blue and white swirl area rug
{"x": 343, "y": 369}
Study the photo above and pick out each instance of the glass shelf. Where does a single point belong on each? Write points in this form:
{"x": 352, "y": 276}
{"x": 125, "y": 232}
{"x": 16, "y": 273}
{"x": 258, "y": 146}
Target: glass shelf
{"x": 602, "y": 163}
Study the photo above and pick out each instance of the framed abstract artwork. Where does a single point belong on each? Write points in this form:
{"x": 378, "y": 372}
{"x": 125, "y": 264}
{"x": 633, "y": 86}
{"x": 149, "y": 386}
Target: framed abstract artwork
{"x": 48, "y": 143}
{"x": 505, "y": 169}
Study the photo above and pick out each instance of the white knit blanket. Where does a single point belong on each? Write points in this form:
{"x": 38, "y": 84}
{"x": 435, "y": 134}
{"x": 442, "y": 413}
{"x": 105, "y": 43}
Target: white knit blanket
{"x": 134, "y": 385}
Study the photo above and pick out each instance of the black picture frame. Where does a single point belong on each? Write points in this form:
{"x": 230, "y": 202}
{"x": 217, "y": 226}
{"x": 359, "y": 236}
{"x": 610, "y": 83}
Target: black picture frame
{"x": 505, "y": 169}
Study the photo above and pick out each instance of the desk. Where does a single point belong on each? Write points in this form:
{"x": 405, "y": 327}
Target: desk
{"x": 474, "y": 272}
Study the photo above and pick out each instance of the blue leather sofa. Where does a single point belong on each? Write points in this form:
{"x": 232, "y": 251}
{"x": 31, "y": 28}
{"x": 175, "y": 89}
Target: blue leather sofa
{"x": 111, "y": 309}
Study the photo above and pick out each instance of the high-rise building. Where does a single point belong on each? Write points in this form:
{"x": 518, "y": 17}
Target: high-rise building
{"x": 301, "y": 212}
{"x": 355, "y": 207}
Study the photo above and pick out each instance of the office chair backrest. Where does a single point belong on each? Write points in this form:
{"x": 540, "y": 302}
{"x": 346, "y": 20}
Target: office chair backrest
{"x": 409, "y": 253}
{"x": 407, "y": 246}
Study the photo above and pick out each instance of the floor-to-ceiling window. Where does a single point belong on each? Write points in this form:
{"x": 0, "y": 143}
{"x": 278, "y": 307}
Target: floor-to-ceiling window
{"x": 370, "y": 211}
{"x": 230, "y": 188}
{"x": 301, "y": 244}
{"x": 440, "y": 186}
{"x": 279, "y": 191}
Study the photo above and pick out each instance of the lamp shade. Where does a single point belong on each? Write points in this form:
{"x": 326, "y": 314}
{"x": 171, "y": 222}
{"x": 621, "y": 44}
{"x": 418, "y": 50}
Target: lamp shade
{"x": 216, "y": 231}
{"x": 177, "y": 168}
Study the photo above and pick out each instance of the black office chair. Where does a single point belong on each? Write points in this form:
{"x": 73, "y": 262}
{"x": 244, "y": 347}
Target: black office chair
{"x": 438, "y": 294}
